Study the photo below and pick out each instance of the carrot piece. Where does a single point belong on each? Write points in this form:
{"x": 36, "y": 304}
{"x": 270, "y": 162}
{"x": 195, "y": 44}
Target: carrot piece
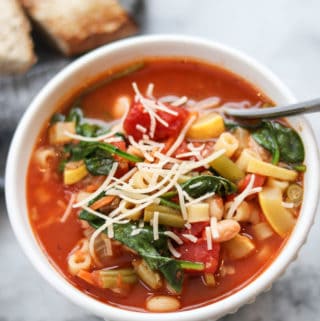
{"x": 169, "y": 142}
{"x": 106, "y": 200}
{"x": 92, "y": 188}
{"x": 86, "y": 276}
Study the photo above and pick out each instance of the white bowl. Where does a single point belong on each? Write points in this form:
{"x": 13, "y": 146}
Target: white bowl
{"x": 120, "y": 53}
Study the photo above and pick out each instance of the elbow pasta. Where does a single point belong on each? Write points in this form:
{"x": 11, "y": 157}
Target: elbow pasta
{"x": 80, "y": 258}
{"x": 138, "y": 181}
{"x": 43, "y": 155}
{"x": 227, "y": 142}
{"x": 244, "y": 158}
{"x": 126, "y": 206}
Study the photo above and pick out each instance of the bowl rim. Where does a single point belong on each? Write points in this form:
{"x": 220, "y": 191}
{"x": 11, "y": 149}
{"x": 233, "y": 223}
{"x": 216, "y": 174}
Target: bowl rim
{"x": 224, "y": 306}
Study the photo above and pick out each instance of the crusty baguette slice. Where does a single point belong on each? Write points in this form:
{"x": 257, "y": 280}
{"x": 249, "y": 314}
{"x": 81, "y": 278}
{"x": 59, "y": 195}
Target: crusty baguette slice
{"x": 76, "y": 26}
{"x": 16, "y": 48}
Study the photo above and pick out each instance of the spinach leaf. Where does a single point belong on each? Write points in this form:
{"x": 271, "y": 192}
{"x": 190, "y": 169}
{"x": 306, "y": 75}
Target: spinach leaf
{"x": 75, "y": 115}
{"x": 203, "y": 184}
{"x": 290, "y": 144}
{"x": 266, "y": 137}
{"x": 154, "y": 252}
{"x": 284, "y": 143}
{"x": 99, "y": 165}
{"x": 57, "y": 117}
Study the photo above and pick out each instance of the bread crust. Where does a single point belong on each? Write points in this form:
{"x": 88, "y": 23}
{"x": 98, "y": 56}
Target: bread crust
{"x": 76, "y": 26}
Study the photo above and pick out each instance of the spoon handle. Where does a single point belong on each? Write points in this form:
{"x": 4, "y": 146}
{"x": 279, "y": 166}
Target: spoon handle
{"x": 309, "y": 106}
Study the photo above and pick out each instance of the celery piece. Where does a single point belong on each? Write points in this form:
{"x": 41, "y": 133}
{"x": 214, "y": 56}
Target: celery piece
{"x": 110, "y": 279}
{"x": 224, "y": 166}
{"x": 167, "y": 215}
{"x": 188, "y": 265}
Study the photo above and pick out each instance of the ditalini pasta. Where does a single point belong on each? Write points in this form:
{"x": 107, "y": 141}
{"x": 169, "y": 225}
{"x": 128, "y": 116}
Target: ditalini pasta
{"x": 147, "y": 197}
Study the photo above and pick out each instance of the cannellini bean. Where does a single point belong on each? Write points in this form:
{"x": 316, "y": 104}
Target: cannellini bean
{"x": 243, "y": 212}
{"x": 162, "y": 303}
{"x": 227, "y": 230}
{"x": 216, "y": 207}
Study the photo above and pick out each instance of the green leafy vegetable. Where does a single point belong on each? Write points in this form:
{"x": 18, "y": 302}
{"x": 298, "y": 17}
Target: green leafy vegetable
{"x": 97, "y": 156}
{"x": 266, "y": 137}
{"x": 284, "y": 143}
{"x": 75, "y": 115}
{"x": 168, "y": 203}
{"x": 153, "y": 252}
{"x": 203, "y": 184}
{"x": 57, "y": 117}
{"x": 99, "y": 165}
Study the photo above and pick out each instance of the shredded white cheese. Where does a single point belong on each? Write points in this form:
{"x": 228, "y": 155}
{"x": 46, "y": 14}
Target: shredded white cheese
{"x": 149, "y": 92}
{"x": 287, "y": 205}
{"x": 90, "y": 139}
{"x": 214, "y": 228}
{"x": 68, "y": 210}
{"x": 179, "y": 102}
{"x": 155, "y": 225}
{"x": 199, "y": 199}
{"x": 181, "y": 136}
{"x": 208, "y": 237}
{"x": 249, "y": 190}
{"x": 190, "y": 237}
{"x": 101, "y": 189}
{"x": 181, "y": 202}
{"x": 174, "y": 236}
{"x": 136, "y": 231}
{"x": 172, "y": 250}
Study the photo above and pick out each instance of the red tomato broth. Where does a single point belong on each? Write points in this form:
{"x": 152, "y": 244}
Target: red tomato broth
{"x": 172, "y": 76}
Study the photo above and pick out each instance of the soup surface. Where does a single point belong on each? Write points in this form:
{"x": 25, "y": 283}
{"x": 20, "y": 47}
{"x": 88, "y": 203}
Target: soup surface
{"x": 140, "y": 190}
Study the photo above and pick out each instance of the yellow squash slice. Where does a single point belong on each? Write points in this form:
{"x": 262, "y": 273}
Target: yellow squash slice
{"x": 279, "y": 218}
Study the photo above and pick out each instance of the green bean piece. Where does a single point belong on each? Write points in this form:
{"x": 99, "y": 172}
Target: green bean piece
{"x": 294, "y": 193}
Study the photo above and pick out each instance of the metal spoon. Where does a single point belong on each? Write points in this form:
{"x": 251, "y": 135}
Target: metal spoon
{"x": 309, "y": 106}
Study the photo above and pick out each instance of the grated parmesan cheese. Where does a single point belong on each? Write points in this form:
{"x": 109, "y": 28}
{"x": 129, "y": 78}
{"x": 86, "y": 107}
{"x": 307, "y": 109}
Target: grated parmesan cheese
{"x": 181, "y": 101}
{"x": 101, "y": 189}
{"x": 181, "y": 136}
{"x": 90, "y": 139}
{"x": 174, "y": 236}
{"x": 181, "y": 201}
{"x": 287, "y": 205}
{"x": 190, "y": 237}
{"x": 208, "y": 237}
{"x": 172, "y": 250}
{"x": 155, "y": 225}
{"x": 141, "y": 128}
{"x": 214, "y": 228}
{"x": 249, "y": 190}
{"x": 68, "y": 210}
{"x": 199, "y": 199}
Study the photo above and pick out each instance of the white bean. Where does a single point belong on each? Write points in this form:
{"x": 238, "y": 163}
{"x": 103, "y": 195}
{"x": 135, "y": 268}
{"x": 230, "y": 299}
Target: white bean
{"x": 162, "y": 303}
{"x": 216, "y": 207}
{"x": 227, "y": 230}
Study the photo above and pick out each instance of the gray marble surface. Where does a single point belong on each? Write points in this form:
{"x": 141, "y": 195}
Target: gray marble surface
{"x": 282, "y": 34}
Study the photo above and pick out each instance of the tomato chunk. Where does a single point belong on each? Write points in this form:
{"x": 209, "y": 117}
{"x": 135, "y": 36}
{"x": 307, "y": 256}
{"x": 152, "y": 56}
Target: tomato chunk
{"x": 259, "y": 181}
{"x": 138, "y": 116}
{"x": 198, "y": 252}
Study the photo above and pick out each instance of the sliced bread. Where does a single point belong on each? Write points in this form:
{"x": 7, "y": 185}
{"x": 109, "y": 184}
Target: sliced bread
{"x": 16, "y": 48}
{"x": 76, "y": 26}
